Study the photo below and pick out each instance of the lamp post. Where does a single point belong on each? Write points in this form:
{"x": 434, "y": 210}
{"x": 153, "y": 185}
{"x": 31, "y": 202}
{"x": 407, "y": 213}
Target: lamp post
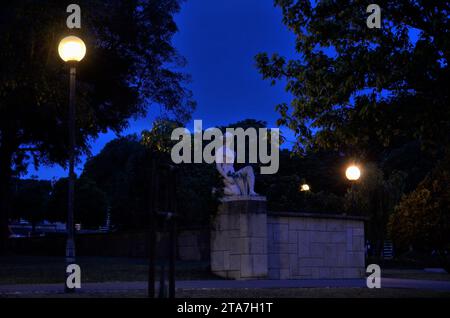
{"x": 353, "y": 173}
{"x": 72, "y": 50}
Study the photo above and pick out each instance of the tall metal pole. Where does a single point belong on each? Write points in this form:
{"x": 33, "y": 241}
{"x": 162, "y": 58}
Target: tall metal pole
{"x": 173, "y": 231}
{"x": 353, "y": 188}
{"x": 172, "y": 256}
{"x": 152, "y": 230}
{"x": 70, "y": 244}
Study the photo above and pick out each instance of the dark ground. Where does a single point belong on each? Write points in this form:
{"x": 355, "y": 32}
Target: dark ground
{"x": 40, "y": 270}
{"x": 46, "y": 270}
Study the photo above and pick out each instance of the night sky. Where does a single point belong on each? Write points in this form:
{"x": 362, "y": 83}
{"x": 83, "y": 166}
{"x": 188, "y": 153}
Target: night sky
{"x": 219, "y": 39}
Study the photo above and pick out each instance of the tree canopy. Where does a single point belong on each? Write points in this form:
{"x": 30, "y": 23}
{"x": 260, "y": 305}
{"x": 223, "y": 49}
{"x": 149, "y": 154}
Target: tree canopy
{"x": 126, "y": 69}
{"x": 362, "y": 90}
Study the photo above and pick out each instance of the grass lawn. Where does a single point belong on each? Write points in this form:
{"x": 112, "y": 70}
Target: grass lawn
{"x": 39, "y": 270}
{"x": 35, "y": 270}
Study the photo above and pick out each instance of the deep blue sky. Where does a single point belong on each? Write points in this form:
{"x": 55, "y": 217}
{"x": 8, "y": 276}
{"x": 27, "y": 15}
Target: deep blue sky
{"x": 219, "y": 39}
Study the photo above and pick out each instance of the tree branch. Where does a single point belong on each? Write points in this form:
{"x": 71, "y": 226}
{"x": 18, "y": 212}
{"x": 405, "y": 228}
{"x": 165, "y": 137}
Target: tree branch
{"x": 27, "y": 150}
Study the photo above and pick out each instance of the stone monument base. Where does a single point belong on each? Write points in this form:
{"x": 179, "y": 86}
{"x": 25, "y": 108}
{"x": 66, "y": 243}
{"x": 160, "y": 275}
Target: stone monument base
{"x": 239, "y": 238}
{"x": 249, "y": 243}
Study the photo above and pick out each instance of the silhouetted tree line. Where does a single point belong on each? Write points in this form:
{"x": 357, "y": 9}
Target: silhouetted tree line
{"x": 126, "y": 69}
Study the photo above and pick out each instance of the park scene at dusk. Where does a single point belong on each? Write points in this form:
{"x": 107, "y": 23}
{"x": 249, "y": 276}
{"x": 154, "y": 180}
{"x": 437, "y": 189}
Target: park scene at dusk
{"x": 238, "y": 149}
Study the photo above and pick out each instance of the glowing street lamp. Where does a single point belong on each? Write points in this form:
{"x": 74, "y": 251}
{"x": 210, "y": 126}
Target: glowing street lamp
{"x": 72, "y": 50}
{"x": 353, "y": 173}
{"x": 305, "y": 188}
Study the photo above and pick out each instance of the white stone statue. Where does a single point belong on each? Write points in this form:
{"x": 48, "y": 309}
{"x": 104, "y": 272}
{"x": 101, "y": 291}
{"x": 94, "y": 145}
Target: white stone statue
{"x": 236, "y": 183}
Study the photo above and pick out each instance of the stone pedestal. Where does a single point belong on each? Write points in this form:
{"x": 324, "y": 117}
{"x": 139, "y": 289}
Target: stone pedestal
{"x": 239, "y": 238}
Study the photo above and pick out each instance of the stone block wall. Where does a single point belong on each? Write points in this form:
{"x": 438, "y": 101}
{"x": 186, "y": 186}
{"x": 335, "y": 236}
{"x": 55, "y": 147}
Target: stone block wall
{"x": 312, "y": 246}
{"x": 248, "y": 243}
{"x": 239, "y": 239}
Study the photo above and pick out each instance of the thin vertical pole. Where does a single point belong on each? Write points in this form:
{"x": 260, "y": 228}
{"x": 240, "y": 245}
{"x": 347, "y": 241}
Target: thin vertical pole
{"x": 70, "y": 244}
{"x": 152, "y": 231}
{"x": 173, "y": 238}
{"x": 172, "y": 258}
{"x": 166, "y": 219}
{"x": 353, "y": 197}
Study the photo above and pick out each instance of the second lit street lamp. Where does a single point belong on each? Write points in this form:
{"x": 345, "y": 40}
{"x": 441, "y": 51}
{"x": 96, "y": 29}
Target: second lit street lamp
{"x": 72, "y": 50}
{"x": 353, "y": 173}
{"x": 305, "y": 188}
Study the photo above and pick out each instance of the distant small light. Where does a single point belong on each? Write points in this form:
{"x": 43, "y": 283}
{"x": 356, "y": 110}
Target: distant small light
{"x": 305, "y": 188}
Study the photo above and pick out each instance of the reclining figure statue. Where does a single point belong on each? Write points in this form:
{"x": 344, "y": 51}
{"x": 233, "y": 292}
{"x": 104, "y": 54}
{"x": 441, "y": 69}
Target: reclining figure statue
{"x": 236, "y": 183}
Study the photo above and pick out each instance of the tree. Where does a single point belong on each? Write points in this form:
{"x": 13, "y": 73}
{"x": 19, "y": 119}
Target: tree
{"x": 90, "y": 205}
{"x": 360, "y": 89}
{"x": 194, "y": 196}
{"x": 375, "y": 196}
{"x": 127, "y": 68}
{"x": 121, "y": 171}
{"x": 30, "y": 200}
{"x": 320, "y": 170}
{"x": 422, "y": 218}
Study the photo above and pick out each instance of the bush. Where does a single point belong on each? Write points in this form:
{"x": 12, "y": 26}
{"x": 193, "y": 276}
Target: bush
{"x": 422, "y": 218}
